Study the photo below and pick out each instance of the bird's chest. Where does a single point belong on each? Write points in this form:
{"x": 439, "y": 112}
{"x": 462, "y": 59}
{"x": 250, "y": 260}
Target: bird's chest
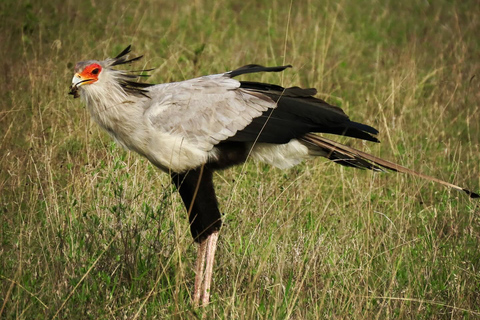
{"x": 173, "y": 153}
{"x": 165, "y": 148}
{"x": 124, "y": 125}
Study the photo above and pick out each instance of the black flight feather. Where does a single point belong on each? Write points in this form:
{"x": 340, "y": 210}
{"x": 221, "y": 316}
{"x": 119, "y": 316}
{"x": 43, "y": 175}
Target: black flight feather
{"x": 297, "y": 113}
{"x": 253, "y": 68}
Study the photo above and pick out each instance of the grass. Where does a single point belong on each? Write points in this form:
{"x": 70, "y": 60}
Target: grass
{"x": 90, "y": 231}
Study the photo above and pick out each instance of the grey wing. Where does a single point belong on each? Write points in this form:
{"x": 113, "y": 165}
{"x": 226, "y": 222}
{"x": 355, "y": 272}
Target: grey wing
{"x": 205, "y": 111}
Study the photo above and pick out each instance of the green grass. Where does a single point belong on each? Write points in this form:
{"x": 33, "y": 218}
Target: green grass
{"x": 90, "y": 231}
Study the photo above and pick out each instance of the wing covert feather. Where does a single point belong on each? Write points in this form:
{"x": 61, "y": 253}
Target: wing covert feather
{"x": 204, "y": 111}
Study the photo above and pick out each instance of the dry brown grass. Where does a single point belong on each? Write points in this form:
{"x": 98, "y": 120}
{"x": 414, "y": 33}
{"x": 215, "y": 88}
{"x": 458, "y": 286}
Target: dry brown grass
{"x": 91, "y": 231}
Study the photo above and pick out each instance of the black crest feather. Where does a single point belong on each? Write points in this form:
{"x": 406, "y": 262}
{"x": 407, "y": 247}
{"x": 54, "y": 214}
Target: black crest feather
{"x": 130, "y": 86}
{"x": 122, "y": 57}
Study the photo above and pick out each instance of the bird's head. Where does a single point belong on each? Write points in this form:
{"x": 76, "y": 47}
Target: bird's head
{"x": 93, "y": 73}
{"x": 86, "y": 73}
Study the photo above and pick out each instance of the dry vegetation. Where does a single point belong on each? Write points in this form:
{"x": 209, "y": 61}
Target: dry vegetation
{"x": 90, "y": 231}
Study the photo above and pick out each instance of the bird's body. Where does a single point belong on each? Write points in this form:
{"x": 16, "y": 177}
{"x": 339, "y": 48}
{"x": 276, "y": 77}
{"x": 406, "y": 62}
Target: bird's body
{"x": 177, "y": 126}
{"x": 180, "y": 126}
{"x": 191, "y": 128}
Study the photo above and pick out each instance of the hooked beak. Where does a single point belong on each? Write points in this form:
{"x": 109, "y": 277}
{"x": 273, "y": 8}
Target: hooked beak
{"x": 77, "y": 81}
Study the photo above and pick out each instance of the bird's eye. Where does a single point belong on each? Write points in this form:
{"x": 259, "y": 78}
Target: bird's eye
{"x": 95, "y": 71}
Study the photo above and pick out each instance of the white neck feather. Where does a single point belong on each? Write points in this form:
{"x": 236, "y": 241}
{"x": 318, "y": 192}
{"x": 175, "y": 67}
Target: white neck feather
{"x": 116, "y": 111}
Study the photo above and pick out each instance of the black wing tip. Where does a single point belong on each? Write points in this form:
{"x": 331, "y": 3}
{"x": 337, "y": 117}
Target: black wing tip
{"x": 253, "y": 68}
{"x": 471, "y": 194}
{"x": 363, "y": 127}
{"x": 299, "y": 92}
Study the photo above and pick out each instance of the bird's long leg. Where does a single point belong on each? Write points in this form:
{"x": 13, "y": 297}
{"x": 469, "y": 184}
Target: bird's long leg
{"x": 204, "y": 269}
{"x": 198, "y": 195}
{"x": 210, "y": 259}
{"x": 199, "y": 268}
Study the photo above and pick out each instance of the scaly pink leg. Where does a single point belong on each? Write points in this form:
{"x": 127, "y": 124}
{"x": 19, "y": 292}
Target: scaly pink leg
{"x": 206, "y": 254}
{"x": 210, "y": 258}
{"x": 199, "y": 266}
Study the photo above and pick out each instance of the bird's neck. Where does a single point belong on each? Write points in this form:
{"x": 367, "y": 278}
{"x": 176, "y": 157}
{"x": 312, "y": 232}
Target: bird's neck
{"x": 116, "y": 111}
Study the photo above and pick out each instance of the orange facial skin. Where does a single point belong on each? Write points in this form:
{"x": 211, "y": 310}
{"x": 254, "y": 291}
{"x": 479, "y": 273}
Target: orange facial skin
{"x": 90, "y": 73}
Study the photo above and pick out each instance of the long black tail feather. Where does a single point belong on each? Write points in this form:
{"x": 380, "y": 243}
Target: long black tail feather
{"x": 347, "y": 156}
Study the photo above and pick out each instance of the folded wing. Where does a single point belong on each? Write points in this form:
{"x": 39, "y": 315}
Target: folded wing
{"x": 209, "y": 110}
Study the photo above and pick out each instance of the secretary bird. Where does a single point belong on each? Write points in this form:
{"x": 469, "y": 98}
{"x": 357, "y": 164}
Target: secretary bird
{"x": 191, "y": 128}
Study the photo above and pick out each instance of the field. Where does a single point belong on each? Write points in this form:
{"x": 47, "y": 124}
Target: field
{"x": 91, "y": 231}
